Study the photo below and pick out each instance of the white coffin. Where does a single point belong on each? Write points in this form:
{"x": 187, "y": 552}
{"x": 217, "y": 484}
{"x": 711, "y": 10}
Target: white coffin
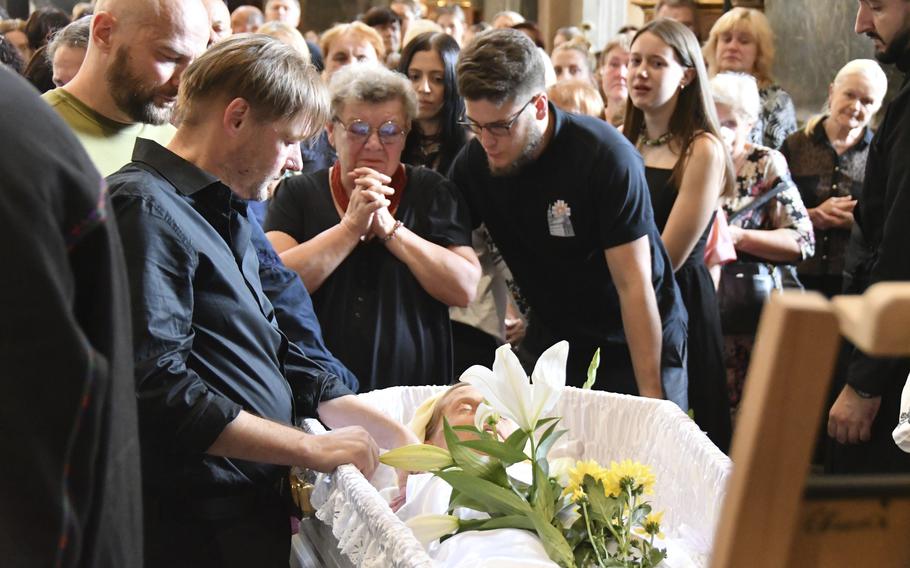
{"x": 691, "y": 474}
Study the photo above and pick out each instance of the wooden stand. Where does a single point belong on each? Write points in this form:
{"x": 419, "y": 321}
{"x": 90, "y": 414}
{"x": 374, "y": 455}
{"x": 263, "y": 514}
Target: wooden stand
{"x": 771, "y": 517}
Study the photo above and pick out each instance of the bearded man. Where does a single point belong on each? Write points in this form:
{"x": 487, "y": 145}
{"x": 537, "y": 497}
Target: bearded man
{"x": 566, "y": 200}
{"x": 127, "y": 85}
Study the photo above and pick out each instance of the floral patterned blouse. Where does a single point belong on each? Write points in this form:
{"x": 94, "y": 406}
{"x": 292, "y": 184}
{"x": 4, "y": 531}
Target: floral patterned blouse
{"x": 758, "y": 174}
{"x": 777, "y": 118}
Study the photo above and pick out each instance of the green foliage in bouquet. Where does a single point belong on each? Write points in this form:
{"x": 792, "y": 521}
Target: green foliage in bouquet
{"x": 584, "y": 515}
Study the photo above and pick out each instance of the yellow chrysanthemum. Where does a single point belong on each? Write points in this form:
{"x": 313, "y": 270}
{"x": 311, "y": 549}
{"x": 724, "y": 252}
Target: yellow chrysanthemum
{"x": 578, "y": 495}
{"x": 652, "y": 524}
{"x": 634, "y": 474}
{"x": 577, "y": 477}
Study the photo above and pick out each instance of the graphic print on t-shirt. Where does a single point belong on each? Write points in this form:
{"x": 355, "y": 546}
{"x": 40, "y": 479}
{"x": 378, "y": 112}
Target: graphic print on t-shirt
{"x": 559, "y": 219}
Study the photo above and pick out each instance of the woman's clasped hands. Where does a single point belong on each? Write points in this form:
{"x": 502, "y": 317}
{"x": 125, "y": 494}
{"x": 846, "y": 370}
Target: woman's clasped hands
{"x": 368, "y": 213}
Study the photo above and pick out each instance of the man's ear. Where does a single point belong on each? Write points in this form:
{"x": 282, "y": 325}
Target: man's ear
{"x": 541, "y": 108}
{"x": 236, "y": 114}
{"x": 102, "y": 30}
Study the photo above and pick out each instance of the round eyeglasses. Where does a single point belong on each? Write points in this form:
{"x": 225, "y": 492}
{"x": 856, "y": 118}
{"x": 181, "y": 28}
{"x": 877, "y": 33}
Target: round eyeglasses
{"x": 360, "y": 131}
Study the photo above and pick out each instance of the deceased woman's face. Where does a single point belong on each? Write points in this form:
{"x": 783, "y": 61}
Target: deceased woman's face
{"x": 459, "y": 407}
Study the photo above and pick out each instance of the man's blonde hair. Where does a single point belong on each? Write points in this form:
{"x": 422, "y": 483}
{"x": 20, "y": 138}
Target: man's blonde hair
{"x": 272, "y": 77}
{"x": 359, "y": 29}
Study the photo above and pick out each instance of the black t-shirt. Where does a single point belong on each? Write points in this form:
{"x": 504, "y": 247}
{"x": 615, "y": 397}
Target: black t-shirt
{"x": 375, "y": 316}
{"x": 553, "y": 220}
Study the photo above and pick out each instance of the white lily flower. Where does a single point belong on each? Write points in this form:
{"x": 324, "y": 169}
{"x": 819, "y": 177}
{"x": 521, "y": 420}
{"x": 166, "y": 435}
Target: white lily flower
{"x": 428, "y": 528}
{"x": 508, "y": 390}
{"x": 484, "y": 416}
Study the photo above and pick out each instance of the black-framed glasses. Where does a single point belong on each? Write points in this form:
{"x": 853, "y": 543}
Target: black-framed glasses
{"x": 360, "y": 131}
{"x": 498, "y": 129}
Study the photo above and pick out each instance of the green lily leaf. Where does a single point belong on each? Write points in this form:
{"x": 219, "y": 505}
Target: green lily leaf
{"x": 461, "y": 500}
{"x": 508, "y": 522}
{"x": 496, "y": 449}
{"x": 553, "y": 542}
{"x": 592, "y": 370}
{"x": 470, "y": 461}
{"x": 542, "y": 497}
{"x": 497, "y": 499}
{"x": 517, "y": 439}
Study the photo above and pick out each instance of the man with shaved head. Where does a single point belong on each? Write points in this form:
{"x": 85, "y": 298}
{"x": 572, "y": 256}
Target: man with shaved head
{"x": 219, "y": 20}
{"x": 127, "y": 85}
{"x": 246, "y": 19}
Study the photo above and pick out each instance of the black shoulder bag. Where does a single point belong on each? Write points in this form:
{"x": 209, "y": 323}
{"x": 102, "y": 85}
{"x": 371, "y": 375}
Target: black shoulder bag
{"x": 746, "y": 284}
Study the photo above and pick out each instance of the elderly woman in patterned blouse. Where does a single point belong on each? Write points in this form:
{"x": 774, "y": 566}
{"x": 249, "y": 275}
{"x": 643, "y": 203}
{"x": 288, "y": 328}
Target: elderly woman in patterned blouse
{"x": 828, "y": 163}
{"x": 778, "y": 232}
{"x": 742, "y": 41}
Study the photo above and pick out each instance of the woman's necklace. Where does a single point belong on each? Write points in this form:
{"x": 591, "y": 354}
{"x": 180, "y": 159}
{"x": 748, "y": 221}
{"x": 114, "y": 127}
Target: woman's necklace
{"x": 654, "y": 142}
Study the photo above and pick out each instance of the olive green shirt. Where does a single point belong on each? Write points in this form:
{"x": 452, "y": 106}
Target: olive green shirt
{"x": 109, "y": 143}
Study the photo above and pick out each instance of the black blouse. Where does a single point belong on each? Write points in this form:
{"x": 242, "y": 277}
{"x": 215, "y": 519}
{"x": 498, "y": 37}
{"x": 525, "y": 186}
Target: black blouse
{"x": 821, "y": 174}
{"x": 376, "y": 317}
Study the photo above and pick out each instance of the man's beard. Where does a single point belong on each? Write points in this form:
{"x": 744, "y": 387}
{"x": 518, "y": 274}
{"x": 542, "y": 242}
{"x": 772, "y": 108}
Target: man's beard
{"x": 896, "y": 49}
{"x": 535, "y": 138}
{"x": 132, "y": 94}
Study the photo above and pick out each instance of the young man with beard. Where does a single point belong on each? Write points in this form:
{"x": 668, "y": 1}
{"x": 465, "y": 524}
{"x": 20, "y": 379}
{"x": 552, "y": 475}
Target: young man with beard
{"x": 127, "y": 85}
{"x": 865, "y": 412}
{"x": 566, "y": 200}
{"x": 219, "y": 385}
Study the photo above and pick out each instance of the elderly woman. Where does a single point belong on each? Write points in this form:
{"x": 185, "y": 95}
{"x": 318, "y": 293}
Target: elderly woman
{"x": 777, "y": 232}
{"x": 341, "y": 45}
{"x": 828, "y": 163}
{"x": 384, "y": 248}
{"x": 742, "y": 41}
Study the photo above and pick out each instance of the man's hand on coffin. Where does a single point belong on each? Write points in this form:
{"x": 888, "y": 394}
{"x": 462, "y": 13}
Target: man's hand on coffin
{"x": 850, "y": 418}
{"x": 348, "y": 445}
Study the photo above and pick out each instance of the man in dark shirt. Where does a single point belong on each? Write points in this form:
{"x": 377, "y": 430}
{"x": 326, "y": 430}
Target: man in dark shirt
{"x": 69, "y": 479}
{"x": 218, "y": 383}
{"x": 566, "y": 201}
{"x": 867, "y": 408}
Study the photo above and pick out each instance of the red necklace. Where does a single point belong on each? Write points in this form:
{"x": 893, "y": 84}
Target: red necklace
{"x": 398, "y": 183}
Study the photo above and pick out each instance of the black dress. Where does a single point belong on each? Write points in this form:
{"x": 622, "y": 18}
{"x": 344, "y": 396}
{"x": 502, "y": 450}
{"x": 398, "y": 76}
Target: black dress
{"x": 707, "y": 378}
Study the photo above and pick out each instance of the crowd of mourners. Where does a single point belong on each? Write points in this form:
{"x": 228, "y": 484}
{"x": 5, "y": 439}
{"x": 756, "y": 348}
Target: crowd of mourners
{"x": 240, "y": 225}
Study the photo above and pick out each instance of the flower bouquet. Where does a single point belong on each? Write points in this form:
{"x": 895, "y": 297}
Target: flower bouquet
{"x": 584, "y": 514}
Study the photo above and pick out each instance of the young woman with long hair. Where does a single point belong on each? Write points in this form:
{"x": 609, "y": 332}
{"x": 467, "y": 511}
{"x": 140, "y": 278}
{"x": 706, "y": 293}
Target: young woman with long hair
{"x": 673, "y": 123}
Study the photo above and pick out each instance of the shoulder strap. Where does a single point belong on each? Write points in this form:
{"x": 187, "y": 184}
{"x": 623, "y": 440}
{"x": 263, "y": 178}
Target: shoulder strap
{"x": 783, "y": 182}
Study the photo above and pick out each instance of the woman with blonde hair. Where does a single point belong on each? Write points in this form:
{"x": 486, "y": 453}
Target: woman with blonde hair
{"x": 742, "y": 41}
{"x": 613, "y": 72}
{"x": 828, "y": 162}
{"x": 672, "y": 121}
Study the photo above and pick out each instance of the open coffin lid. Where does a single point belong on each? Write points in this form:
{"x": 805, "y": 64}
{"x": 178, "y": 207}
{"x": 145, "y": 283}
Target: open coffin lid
{"x": 691, "y": 473}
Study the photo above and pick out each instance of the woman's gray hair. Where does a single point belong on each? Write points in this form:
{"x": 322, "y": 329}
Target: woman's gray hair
{"x": 371, "y": 83}
{"x": 739, "y": 91}
{"x": 73, "y": 35}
